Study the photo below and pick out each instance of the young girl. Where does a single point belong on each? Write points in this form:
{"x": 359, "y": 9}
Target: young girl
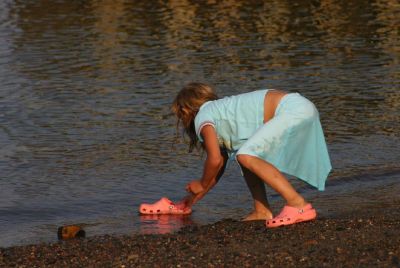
{"x": 268, "y": 132}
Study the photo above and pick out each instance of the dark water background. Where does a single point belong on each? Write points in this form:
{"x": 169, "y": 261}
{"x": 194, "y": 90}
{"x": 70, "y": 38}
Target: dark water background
{"x": 86, "y": 133}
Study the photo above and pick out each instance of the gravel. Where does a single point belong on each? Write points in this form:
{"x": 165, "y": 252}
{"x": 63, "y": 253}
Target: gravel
{"x": 363, "y": 239}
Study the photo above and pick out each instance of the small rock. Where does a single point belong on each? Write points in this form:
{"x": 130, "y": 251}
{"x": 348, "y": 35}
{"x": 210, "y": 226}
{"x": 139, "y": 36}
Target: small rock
{"x": 396, "y": 261}
{"x": 303, "y": 259}
{"x": 70, "y": 231}
{"x": 311, "y": 242}
{"x": 133, "y": 257}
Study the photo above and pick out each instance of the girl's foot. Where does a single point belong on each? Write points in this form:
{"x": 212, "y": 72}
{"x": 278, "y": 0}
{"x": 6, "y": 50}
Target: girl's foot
{"x": 257, "y": 216}
{"x": 298, "y": 202}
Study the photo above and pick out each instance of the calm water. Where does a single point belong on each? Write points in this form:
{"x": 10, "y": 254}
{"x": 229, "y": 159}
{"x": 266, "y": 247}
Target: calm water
{"x": 86, "y": 133}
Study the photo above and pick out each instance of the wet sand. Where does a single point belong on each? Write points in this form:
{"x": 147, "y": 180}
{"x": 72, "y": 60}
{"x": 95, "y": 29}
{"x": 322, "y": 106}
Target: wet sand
{"x": 362, "y": 238}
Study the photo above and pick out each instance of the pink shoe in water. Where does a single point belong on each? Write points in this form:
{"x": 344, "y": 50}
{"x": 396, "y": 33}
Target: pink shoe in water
{"x": 291, "y": 215}
{"x": 164, "y": 206}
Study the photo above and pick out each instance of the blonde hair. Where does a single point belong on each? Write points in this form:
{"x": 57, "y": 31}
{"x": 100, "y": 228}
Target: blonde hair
{"x": 186, "y": 106}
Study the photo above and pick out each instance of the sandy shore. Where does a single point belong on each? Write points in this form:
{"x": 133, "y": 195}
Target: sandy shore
{"x": 363, "y": 239}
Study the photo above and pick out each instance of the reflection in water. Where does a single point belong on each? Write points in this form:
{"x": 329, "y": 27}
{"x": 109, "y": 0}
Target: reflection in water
{"x": 109, "y": 15}
{"x": 389, "y": 35}
{"x": 272, "y": 26}
{"x": 388, "y": 30}
{"x": 163, "y": 224}
{"x": 86, "y": 88}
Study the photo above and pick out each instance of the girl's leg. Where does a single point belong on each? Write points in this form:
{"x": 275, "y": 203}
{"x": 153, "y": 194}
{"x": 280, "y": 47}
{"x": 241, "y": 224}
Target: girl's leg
{"x": 256, "y": 186}
{"x": 273, "y": 177}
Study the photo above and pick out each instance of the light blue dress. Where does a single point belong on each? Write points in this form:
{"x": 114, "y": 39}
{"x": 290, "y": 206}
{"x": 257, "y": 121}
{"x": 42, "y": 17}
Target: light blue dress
{"x": 292, "y": 141}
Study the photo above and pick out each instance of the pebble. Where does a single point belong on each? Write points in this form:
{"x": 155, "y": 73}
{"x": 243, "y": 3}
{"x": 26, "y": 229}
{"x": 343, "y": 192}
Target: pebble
{"x": 133, "y": 257}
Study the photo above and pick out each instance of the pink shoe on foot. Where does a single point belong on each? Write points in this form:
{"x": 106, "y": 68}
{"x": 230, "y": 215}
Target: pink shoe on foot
{"x": 291, "y": 215}
{"x": 163, "y": 206}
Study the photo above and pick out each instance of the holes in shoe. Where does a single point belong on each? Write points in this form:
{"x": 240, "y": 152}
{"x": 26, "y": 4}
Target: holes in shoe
{"x": 281, "y": 220}
{"x": 143, "y": 209}
{"x": 151, "y": 211}
{"x": 158, "y": 210}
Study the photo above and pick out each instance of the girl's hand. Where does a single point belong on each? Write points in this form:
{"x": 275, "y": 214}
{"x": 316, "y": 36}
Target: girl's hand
{"x": 194, "y": 187}
{"x": 184, "y": 203}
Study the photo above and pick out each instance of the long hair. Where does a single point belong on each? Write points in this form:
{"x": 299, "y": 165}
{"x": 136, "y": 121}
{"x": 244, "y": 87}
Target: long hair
{"x": 186, "y": 106}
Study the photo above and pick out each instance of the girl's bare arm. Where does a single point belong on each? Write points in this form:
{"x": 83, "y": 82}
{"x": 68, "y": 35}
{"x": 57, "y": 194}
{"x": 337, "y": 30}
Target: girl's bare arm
{"x": 214, "y": 164}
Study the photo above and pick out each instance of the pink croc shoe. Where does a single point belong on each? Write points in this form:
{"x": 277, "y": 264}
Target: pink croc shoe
{"x": 163, "y": 206}
{"x": 291, "y": 215}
